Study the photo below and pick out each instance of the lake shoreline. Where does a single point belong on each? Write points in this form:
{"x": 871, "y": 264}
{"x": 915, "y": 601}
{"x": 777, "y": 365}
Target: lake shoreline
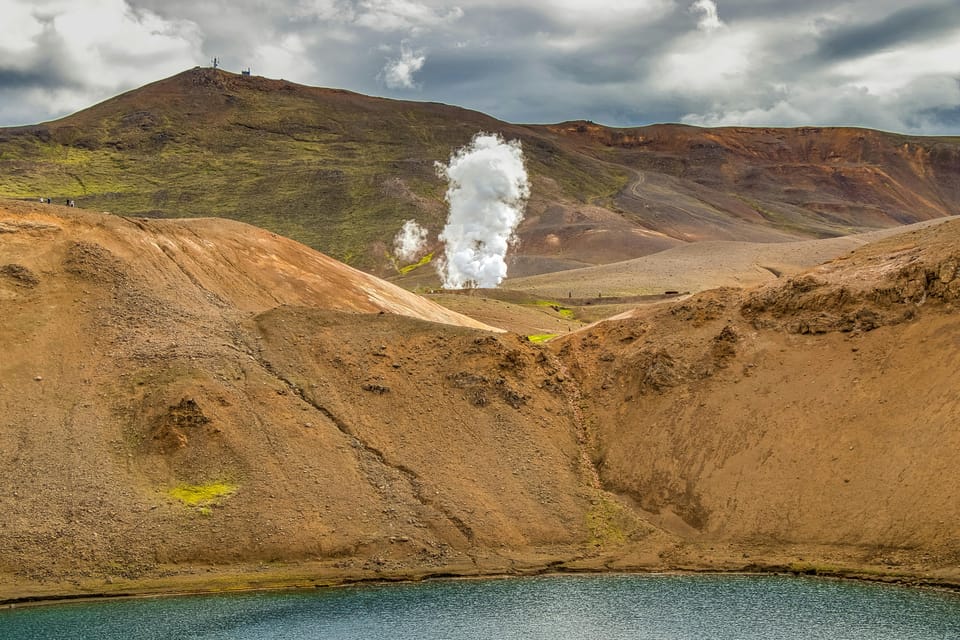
{"x": 200, "y": 581}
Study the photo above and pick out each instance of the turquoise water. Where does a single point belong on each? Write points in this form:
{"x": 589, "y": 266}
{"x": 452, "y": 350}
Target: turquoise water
{"x": 554, "y": 608}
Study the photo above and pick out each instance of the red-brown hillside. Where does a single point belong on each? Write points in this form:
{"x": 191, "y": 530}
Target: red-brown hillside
{"x": 807, "y": 180}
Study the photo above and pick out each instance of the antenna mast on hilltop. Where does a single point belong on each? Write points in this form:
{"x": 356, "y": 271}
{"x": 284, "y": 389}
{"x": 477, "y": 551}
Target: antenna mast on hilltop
{"x": 216, "y": 62}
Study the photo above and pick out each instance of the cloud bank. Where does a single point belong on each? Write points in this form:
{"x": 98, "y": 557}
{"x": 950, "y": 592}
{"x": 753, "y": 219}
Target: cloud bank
{"x": 709, "y": 19}
{"x": 874, "y": 63}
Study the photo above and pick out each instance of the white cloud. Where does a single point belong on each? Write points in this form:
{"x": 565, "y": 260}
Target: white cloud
{"x": 907, "y": 109}
{"x": 70, "y": 54}
{"x": 703, "y": 64}
{"x": 912, "y": 87}
{"x": 109, "y": 43}
{"x": 287, "y": 58}
{"x": 400, "y": 15}
{"x": 321, "y": 10}
{"x": 889, "y": 71}
{"x": 709, "y": 19}
{"x": 19, "y": 29}
{"x": 398, "y": 72}
{"x": 377, "y": 15}
{"x": 598, "y": 13}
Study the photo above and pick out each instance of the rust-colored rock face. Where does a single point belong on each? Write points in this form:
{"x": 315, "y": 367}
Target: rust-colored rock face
{"x": 842, "y": 176}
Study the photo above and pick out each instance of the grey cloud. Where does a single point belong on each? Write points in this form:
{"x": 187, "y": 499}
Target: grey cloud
{"x": 624, "y": 53}
{"x": 736, "y": 10}
{"x": 44, "y": 76}
{"x": 44, "y": 67}
{"x": 453, "y": 69}
{"x": 938, "y": 117}
{"x": 608, "y": 68}
{"x": 907, "y": 25}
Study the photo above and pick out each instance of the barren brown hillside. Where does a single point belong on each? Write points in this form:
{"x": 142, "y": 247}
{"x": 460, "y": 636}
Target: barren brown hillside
{"x": 838, "y": 176}
{"x": 820, "y": 410}
{"x": 203, "y": 405}
{"x": 146, "y": 358}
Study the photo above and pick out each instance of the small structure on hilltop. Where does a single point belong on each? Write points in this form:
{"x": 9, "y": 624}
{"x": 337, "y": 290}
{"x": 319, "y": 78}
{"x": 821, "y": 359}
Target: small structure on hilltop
{"x": 245, "y": 72}
{"x": 215, "y": 62}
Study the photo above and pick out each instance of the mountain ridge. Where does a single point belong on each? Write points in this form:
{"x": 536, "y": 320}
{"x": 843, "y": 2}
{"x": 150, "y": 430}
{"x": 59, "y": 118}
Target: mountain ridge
{"x": 341, "y": 172}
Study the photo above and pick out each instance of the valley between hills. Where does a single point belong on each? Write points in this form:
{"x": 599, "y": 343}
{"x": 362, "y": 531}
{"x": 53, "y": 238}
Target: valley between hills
{"x": 718, "y": 350}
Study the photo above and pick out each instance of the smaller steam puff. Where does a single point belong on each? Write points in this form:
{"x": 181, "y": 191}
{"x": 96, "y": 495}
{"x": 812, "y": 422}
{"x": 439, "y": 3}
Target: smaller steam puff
{"x": 409, "y": 241}
{"x": 487, "y": 194}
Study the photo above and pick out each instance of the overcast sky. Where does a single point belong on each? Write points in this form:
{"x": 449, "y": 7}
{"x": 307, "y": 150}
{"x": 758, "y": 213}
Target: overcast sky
{"x": 885, "y": 64}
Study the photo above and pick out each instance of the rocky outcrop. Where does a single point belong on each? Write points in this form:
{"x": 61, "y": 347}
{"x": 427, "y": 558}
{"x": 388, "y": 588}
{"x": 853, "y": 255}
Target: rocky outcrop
{"x": 883, "y": 285}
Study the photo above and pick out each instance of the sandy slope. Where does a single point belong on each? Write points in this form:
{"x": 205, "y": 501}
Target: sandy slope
{"x": 223, "y": 263}
{"x": 811, "y": 423}
{"x": 700, "y": 266}
{"x": 375, "y": 441}
{"x": 820, "y": 410}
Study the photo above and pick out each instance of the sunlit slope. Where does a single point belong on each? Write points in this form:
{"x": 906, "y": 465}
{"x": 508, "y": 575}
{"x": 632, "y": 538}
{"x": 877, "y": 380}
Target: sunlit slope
{"x": 816, "y": 412}
{"x": 700, "y": 266}
{"x": 201, "y": 404}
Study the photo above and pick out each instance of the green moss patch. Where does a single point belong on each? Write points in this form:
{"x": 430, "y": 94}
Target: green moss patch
{"x": 610, "y": 524}
{"x": 541, "y": 337}
{"x": 410, "y": 267}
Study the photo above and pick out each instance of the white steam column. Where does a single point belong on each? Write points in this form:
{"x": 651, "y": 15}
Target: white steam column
{"x": 409, "y": 241}
{"x": 487, "y": 194}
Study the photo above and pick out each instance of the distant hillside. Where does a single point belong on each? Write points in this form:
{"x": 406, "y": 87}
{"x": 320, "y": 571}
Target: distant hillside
{"x": 809, "y": 180}
{"x": 333, "y": 169}
{"x": 340, "y": 172}
{"x": 700, "y": 266}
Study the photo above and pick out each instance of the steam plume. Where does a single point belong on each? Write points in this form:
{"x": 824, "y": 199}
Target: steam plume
{"x": 487, "y": 194}
{"x": 409, "y": 241}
